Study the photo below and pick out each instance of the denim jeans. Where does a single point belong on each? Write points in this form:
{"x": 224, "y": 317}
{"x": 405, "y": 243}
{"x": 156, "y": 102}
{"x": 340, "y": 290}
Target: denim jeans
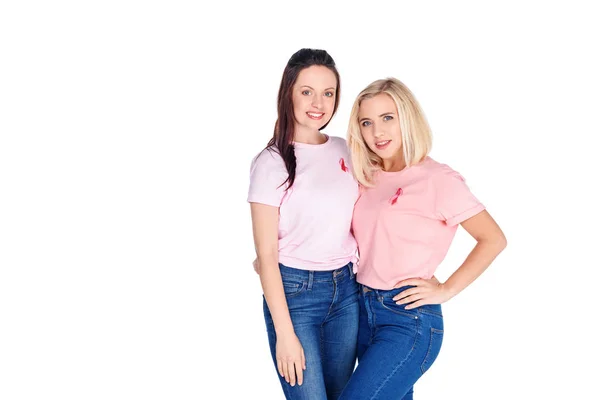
{"x": 324, "y": 311}
{"x": 395, "y": 346}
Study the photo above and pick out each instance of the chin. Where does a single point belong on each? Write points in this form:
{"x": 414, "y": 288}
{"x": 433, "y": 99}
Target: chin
{"x": 386, "y": 155}
{"x": 314, "y": 124}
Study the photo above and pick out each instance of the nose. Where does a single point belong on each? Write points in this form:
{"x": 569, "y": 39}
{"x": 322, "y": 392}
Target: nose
{"x": 317, "y": 101}
{"x": 378, "y": 132}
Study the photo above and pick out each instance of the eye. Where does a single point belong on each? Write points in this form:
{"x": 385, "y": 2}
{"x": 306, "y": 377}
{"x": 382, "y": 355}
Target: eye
{"x": 306, "y": 92}
{"x": 366, "y": 123}
{"x": 328, "y": 94}
{"x": 388, "y": 118}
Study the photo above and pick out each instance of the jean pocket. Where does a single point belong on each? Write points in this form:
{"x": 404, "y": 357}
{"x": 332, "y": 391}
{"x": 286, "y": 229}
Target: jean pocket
{"x": 391, "y": 305}
{"x": 435, "y": 344}
{"x": 293, "y": 288}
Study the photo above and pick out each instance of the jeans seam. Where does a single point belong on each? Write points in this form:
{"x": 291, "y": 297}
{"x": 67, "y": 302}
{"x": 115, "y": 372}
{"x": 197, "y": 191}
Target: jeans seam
{"x": 374, "y": 330}
{"x": 332, "y": 303}
{"x": 300, "y": 291}
{"x": 370, "y": 318}
{"x": 426, "y": 311}
{"x": 387, "y": 378}
{"x": 432, "y": 331}
{"x": 406, "y": 314}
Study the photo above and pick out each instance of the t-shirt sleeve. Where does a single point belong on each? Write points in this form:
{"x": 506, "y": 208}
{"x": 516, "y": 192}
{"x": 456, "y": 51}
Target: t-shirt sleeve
{"x": 454, "y": 201}
{"x": 267, "y": 173}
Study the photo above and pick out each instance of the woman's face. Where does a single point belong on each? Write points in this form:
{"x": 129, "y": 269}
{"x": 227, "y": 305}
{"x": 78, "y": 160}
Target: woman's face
{"x": 380, "y": 126}
{"x": 314, "y": 97}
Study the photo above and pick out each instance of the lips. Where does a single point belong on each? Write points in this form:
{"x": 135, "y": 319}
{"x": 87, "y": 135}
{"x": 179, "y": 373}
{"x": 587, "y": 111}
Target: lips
{"x": 315, "y": 115}
{"x": 382, "y": 144}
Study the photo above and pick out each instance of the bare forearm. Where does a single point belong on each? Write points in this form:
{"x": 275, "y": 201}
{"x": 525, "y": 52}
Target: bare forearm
{"x": 270, "y": 279}
{"x": 478, "y": 260}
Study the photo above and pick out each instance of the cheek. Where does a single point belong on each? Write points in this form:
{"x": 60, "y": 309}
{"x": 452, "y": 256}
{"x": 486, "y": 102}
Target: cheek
{"x": 299, "y": 105}
{"x": 330, "y": 101}
{"x": 297, "y": 101}
{"x": 368, "y": 138}
{"x": 397, "y": 133}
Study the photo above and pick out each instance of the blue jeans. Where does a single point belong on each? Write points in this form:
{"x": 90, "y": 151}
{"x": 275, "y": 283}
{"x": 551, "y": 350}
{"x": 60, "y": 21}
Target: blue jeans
{"x": 395, "y": 346}
{"x": 324, "y": 311}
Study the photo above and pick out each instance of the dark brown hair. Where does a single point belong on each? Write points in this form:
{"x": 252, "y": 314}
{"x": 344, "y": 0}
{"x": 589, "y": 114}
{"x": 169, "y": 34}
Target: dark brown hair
{"x": 283, "y": 135}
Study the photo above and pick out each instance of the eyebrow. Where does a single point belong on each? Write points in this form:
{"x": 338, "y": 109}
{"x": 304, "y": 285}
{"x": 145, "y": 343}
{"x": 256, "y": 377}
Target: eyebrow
{"x": 381, "y": 115}
{"x": 330, "y": 88}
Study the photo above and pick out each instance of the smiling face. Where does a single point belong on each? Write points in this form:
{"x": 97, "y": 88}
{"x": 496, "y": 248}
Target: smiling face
{"x": 314, "y": 98}
{"x": 380, "y": 127}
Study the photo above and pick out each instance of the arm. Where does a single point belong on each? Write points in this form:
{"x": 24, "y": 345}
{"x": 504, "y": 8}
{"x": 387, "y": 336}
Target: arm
{"x": 289, "y": 352}
{"x": 490, "y": 242}
{"x": 265, "y": 220}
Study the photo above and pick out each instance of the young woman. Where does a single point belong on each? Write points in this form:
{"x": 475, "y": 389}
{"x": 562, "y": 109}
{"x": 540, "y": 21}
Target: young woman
{"x": 404, "y": 221}
{"x": 302, "y": 195}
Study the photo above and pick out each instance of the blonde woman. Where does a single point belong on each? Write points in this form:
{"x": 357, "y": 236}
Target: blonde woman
{"x": 404, "y": 222}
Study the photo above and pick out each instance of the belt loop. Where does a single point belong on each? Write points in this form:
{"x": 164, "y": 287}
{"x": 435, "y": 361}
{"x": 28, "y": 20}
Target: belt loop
{"x": 311, "y": 275}
{"x": 350, "y": 265}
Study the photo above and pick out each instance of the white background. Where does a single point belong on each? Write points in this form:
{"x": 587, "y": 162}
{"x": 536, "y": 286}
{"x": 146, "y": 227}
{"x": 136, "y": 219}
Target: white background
{"x": 126, "y": 134}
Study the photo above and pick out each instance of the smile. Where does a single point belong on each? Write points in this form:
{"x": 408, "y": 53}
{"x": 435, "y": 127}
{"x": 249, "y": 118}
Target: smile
{"x": 316, "y": 116}
{"x": 383, "y": 144}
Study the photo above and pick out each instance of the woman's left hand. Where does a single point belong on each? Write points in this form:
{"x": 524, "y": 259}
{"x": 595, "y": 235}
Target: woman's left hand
{"x": 256, "y": 266}
{"x": 425, "y": 291}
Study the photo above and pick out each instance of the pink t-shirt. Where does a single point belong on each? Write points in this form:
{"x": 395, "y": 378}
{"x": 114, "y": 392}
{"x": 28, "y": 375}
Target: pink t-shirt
{"x": 405, "y": 224}
{"x": 315, "y": 215}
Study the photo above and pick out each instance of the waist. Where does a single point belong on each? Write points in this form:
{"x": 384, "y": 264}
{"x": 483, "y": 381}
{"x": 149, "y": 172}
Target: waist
{"x": 317, "y": 276}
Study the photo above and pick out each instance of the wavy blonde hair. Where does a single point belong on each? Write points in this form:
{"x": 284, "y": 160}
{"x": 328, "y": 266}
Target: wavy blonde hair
{"x": 416, "y": 134}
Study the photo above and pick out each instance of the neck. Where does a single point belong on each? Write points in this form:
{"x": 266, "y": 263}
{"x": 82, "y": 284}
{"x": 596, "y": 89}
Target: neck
{"x": 308, "y": 136}
{"x": 394, "y": 164}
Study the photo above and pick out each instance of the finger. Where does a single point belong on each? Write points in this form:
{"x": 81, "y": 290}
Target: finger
{"x": 410, "y": 299}
{"x": 405, "y": 293}
{"x": 409, "y": 282}
{"x": 292, "y": 372}
{"x": 286, "y": 373}
{"x": 416, "y": 304}
{"x": 303, "y": 360}
{"x": 299, "y": 372}
{"x": 280, "y": 368}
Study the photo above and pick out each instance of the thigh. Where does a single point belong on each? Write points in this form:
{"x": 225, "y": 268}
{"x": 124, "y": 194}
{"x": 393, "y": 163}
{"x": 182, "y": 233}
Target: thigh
{"x": 309, "y": 335}
{"x": 388, "y": 368}
{"x": 338, "y": 344}
{"x": 402, "y": 345}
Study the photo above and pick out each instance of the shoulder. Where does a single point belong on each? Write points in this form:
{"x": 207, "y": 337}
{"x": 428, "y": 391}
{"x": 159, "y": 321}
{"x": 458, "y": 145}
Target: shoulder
{"x": 268, "y": 157}
{"x": 338, "y": 141}
{"x": 439, "y": 171}
{"x": 339, "y": 145}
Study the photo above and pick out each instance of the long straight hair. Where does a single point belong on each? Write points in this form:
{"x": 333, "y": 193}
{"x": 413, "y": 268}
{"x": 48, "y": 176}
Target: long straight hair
{"x": 283, "y": 135}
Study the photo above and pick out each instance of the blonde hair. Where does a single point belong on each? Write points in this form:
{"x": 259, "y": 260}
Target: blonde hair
{"x": 416, "y": 134}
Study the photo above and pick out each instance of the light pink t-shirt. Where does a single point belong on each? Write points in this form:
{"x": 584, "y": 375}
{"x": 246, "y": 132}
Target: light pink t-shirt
{"x": 405, "y": 224}
{"x": 315, "y": 215}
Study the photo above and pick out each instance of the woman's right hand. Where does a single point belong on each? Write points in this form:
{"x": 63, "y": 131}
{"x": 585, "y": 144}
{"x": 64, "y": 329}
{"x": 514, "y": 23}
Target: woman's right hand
{"x": 290, "y": 358}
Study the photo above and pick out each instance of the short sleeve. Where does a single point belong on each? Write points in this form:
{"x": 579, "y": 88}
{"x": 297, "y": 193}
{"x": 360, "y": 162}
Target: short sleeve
{"x": 267, "y": 174}
{"x": 454, "y": 201}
